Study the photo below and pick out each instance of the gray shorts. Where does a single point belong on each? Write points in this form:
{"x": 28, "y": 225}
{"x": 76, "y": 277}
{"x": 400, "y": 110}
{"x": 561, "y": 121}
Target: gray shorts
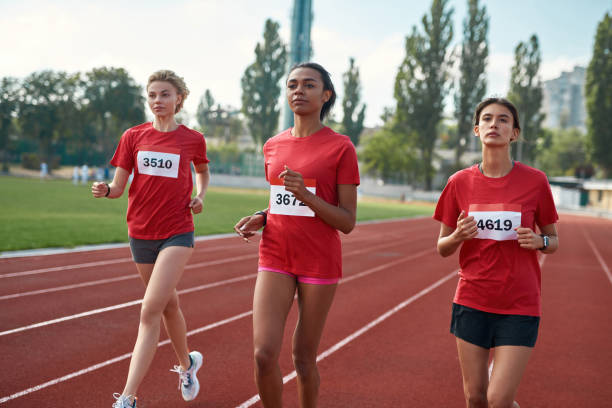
{"x": 146, "y": 250}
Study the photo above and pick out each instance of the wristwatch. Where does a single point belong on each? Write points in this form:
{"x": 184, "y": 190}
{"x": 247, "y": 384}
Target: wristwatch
{"x": 265, "y": 216}
{"x": 545, "y": 239}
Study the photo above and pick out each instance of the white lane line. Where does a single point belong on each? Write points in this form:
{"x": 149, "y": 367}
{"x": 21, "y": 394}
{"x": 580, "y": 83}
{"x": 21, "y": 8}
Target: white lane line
{"x": 117, "y": 359}
{"x": 121, "y": 278}
{"x": 597, "y": 255}
{"x": 203, "y": 287}
{"x": 122, "y": 305}
{"x": 99, "y": 263}
{"x": 199, "y": 330}
{"x": 68, "y": 287}
{"x": 134, "y": 276}
{"x": 66, "y": 267}
{"x": 197, "y": 250}
{"x": 361, "y": 331}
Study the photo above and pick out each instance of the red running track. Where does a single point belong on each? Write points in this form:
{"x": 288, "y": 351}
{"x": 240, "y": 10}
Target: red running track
{"x": 69, "y": 322}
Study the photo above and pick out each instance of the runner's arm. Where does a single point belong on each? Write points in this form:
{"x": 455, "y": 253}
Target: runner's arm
{"x": 116, "y": 186}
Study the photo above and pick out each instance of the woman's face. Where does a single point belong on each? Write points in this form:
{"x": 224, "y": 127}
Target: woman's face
{"x": 162, "y": 98}
{"x": 496, "y": 126}
{"x": 305, "y": 93}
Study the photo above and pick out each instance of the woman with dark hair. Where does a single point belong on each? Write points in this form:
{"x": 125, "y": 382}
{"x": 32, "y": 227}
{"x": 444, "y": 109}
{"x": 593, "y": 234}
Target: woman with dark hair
{"x": 313, "y": 177}
{"x": 491, "y": 210}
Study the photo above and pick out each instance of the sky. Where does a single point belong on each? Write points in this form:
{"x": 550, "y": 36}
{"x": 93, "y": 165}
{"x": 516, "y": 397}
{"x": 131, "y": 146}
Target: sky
{"x": 211, "y": 42}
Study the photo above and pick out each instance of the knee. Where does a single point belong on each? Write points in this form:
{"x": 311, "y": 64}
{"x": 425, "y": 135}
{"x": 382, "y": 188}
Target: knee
{"x": 150, "y": 313}
{"x": 266, "y": 360}
{"x": 305, "y": 364}
{"x": 172, "y": 307}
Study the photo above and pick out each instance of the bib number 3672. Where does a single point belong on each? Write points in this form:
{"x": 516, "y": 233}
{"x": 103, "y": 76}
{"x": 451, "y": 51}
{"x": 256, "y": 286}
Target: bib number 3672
{"x": 284, "y": 202}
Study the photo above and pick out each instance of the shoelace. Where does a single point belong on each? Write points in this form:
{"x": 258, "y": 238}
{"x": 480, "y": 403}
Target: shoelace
{"x": 184, "y": 376}
{"x": 122, "y": 401}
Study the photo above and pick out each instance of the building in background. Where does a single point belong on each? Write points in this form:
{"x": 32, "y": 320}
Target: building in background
{"x": 564, "y": 102}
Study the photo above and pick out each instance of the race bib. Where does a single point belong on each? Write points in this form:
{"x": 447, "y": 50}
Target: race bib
{"x": 158, "y": 161}
{"x": 496, "y": 221}
{"x": 284, "y": 202}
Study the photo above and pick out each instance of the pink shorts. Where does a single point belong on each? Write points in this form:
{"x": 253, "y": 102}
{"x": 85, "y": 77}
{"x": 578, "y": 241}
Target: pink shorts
{"x": 302, "y": 279}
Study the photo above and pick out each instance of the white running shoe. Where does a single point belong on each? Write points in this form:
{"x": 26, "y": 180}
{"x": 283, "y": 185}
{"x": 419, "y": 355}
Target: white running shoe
{"x": 123, "y": 401}
{"x": 188, "y": 381}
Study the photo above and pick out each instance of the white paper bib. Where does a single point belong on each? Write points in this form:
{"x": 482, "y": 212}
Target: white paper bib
{"x": 284, "y": 202}
{"x": 158, "y": 161}
{"x": 496, "y": 221}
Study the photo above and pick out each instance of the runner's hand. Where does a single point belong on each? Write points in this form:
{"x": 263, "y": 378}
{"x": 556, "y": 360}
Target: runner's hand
{"x": 294, "y": 183}
{"x": 196, "y": 205}
{"x": 99, "y": 189}
{"x": 528, "y": 239}
{"x": 247, "y": 226}
{"x": 466, "y": 227}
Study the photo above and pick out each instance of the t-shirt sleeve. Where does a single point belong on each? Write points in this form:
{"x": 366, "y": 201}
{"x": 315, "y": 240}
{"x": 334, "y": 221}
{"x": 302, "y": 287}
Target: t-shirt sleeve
{"x": 348, "y": 169}
{"x": 447, "y": 209}
{"x": 546, "y": 212}
{"x": 124, "y": 155}
{"x": 200, "y": 155}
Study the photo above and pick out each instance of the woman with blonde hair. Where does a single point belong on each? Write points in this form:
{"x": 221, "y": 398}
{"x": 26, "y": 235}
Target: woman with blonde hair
{"x": 160, "y": 224}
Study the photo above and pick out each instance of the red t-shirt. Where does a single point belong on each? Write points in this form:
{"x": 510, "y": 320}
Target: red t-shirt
{"x": 497, "y": 275}
{"x": 306, "y": 245}
{"x": 161, "y": 189}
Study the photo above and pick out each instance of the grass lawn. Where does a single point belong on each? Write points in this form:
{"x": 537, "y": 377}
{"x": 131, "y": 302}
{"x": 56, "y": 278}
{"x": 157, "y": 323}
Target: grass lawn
{"x": 56, "y": 213}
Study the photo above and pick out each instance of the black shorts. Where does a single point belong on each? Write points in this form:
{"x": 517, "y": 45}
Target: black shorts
{"x": 146, "y": 250}
{"x": 489, "y": 330}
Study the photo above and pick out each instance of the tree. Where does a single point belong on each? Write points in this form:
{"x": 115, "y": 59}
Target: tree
{"x": 352, "y": 126}
{"x": 8, "y": 109}
{"x": 566, "y": 153}
{"x": 261, "y": 85}
{"x": 204, "y": 114}
{"x": 47, "y": 109}
{"x": 387, "y": 155}
{"x": 526, "y": 94}
{"x": 423, "y": 82}
{"x": 598, "y": 90}
{"x": 112, "y": 103}
{"x": 217, "y": 121}
{"x": 472, "y": 75}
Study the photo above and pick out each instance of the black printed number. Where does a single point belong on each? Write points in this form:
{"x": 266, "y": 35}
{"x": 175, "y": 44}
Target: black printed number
{"x": 287, "y": 199}
{"x": 494, "y": 225}
{"x": 160, "y": 163}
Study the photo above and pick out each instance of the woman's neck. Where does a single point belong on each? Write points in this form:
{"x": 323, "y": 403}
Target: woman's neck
{"x": 165, "y": 123}
{"x": 306, "y": 125}
{"x": 496, "y": 162}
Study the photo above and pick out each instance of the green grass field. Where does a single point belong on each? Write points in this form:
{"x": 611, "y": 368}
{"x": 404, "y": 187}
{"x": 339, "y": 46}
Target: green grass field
{"x": 56, "y": 213}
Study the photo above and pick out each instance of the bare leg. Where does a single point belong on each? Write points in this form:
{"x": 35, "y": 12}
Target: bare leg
{"x": 271, "y": 303}
{"x": 510, "y": 364}
{"x": 314, "y": 302}
{"x": 165, "y": 276}
{"x": 473, "y": 360}
{"x": 173, "y": 320}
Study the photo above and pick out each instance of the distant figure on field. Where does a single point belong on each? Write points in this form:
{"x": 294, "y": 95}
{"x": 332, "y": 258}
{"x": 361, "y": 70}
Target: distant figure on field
{"x": 84, "y": 174}
{"x": 44, "y": 170}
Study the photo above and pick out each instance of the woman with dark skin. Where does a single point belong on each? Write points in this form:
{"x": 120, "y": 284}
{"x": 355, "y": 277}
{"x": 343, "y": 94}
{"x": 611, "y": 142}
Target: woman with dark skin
{"x": 313, "y": 179}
